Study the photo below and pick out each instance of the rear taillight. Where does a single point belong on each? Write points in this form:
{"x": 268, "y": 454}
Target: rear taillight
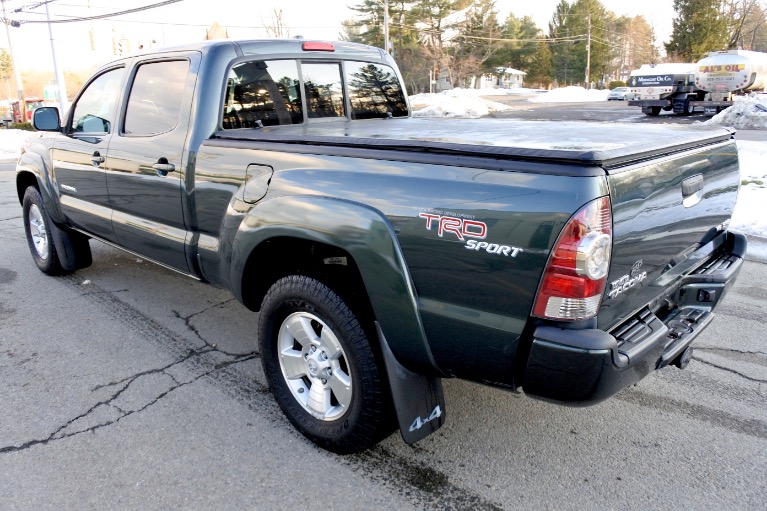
{"x": 576, "y": 273}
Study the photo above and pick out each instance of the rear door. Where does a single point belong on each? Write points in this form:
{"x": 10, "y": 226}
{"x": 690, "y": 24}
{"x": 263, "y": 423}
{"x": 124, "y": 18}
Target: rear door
{"x": 145, "y": 167}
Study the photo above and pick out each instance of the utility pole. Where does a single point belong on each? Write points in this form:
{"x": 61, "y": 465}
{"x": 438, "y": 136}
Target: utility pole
{"x": 62, "y": 88}
{"x": 588, "y": 55}
{"x": 16, "y": 69}
{"x": 386, "y": 25}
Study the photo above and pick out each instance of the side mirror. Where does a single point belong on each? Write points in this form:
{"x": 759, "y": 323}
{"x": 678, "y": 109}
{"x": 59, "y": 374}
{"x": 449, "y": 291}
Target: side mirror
{"x": 46, "y": 118}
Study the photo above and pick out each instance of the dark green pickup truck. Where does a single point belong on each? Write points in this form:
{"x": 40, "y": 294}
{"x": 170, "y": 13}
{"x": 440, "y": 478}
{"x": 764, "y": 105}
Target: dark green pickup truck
{"x": 384, "y": 252}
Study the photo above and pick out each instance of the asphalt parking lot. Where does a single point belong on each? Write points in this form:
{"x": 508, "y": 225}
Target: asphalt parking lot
{"x": 128, "y": 386}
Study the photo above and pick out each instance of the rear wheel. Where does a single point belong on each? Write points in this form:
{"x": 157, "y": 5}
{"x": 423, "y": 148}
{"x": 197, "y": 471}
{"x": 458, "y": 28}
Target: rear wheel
{"x": 689, "y": 108}
{"x": 321, "y": 367}
{"x": 38, "y": 225}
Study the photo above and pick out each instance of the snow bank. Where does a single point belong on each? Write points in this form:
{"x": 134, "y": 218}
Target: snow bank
{"x": 455, "y": 103}
{"x": 11, "y": 142}
{"x": 749, "y": 216}
{"x": 747, "y": 113}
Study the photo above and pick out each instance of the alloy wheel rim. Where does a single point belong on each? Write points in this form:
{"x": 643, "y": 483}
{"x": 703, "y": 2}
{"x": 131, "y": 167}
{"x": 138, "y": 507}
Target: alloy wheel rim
{"x": 38, "y": 231}
{"x": 314, "y": 366}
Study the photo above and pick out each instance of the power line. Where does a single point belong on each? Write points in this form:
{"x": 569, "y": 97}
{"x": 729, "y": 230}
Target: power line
{"x": 33, "y": 6}
{"x": 96, "y": 17}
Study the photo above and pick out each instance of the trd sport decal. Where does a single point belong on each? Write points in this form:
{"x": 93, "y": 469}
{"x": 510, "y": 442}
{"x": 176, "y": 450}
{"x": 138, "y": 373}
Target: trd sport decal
{"x": 463, "y": 228}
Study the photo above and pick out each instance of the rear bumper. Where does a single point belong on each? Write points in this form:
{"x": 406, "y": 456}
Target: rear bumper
{"x": 585, "y": 366}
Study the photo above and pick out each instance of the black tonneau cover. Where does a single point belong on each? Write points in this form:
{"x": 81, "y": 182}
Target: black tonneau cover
{"x": 607, "y": 145}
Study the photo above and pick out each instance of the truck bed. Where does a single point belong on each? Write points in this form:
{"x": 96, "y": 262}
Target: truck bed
{"x": 587, "y": 144}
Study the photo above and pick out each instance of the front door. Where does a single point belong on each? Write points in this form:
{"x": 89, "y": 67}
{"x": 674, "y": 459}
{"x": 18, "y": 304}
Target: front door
{"x": 80, "y": 152}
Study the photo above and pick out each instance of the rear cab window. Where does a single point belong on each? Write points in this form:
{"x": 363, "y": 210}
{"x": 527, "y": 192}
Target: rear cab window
{"x": 154, "y": 104}
{"x": 263, "y": 93}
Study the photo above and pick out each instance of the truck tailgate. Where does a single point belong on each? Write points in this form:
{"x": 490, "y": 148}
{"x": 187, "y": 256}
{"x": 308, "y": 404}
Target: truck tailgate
{"x": 667, "y": 215}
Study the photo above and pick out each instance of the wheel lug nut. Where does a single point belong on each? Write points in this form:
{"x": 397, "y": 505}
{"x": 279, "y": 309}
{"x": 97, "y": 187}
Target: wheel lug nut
{"x": 329, "y": 371}
{"x": 324, "y": 381}
{"x": 313, "y": 348}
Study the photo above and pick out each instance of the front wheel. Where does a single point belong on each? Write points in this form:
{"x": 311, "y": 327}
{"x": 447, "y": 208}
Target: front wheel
{"x": 321, "y": 367}
{"x": 37, "y": 226}
{"x": 653, "y": 111}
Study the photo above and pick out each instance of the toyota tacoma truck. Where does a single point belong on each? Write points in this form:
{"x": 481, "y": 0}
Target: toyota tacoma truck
{"x": 385, "y": 252}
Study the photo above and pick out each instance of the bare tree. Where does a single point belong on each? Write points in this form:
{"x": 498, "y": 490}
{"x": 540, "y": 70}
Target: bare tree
{"x": 748, "y": 24}
{"x": 277, "y": 27}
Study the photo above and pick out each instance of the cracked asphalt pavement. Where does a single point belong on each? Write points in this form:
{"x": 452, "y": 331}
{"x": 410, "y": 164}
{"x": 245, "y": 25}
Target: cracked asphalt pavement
{"x": 128, "y": 386}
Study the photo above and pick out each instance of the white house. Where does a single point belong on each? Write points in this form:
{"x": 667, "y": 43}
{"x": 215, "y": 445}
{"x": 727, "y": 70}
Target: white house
{"x": 503, "y": 78}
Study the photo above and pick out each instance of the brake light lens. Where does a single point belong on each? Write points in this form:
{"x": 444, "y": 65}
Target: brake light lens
{"x": 317, "y": 46}
{"x": 576, "y": 274}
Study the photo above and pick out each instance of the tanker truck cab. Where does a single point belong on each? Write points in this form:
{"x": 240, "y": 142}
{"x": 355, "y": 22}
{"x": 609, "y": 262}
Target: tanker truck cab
{"x": 664, "y": 87}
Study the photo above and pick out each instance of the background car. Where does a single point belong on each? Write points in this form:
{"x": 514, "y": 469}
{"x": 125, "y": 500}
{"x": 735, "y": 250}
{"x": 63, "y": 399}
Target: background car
{"x": 620, "y": 94}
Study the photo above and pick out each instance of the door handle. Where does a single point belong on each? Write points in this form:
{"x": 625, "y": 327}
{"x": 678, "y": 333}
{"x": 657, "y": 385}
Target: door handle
{"x": 163, "y": 168}
{"x": 97, "y": 159}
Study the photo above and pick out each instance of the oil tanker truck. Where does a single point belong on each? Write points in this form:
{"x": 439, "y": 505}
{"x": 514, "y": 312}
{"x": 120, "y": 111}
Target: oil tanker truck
{"x": 726, "y": 74}
{"x": 669, "y": 86}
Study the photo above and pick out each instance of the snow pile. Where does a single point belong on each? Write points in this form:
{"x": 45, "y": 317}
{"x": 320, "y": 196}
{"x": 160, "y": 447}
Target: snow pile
{"x": 11, "y": 142}
{"x": 572, "y": 94}
{"x": 749, "y": 216}
{"x": 455, "y": 103}
{"x": 746, "y": 113}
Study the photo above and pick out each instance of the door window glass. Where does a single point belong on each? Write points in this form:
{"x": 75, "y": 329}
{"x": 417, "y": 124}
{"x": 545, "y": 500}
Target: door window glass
{"x": 323, "y": 90}
{"x": 374, "y": 91}
{"x": 95, "y": 109}
{"x": 154, "y": 105}
{"x": 262, "y": 93}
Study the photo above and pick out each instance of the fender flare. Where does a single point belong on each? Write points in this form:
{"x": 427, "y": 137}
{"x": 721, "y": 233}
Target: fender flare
{"x": 34, "y": 164}
{"x": 369, "y": 238}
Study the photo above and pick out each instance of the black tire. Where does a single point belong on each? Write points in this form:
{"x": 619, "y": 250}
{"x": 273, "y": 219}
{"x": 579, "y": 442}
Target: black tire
{"x": 654, "y": 111}
{"x": 313, "y": 346}
{"x": 38, "y": 226}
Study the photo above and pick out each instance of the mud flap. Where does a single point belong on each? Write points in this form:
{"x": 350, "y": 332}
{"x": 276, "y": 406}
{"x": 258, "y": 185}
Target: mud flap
{"x": 72, "y": 248}
{"x": 418, "y": 399}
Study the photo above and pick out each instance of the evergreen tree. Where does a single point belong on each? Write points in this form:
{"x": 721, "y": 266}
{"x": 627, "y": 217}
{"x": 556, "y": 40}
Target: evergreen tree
{"x": 578, "y": 35}
{"x": 408, "y": 48}
{"x": 521, "y": 41}
{"x": 699, "y": 27}
{"x": 539, "y": 71}
{"x": 560, "y": 45}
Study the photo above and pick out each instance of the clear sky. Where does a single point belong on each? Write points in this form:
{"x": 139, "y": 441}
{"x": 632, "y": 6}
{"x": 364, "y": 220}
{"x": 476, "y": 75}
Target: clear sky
{"x": 187, "y": 20}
